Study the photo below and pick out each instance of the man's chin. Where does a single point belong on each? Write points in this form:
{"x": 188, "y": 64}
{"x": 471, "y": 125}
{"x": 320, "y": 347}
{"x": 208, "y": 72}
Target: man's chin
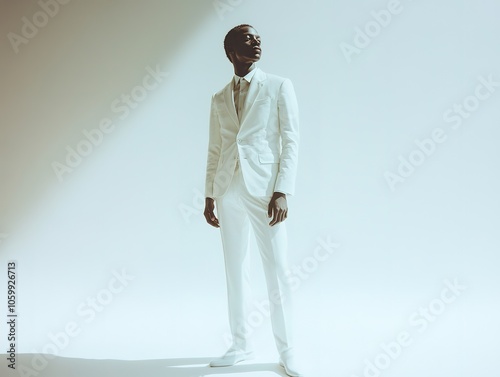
{"x": 254, "y": 57}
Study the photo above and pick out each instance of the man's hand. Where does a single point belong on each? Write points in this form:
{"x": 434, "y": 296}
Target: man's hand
{"x": 209, "y": 213}
{"x": 277, "y": 208}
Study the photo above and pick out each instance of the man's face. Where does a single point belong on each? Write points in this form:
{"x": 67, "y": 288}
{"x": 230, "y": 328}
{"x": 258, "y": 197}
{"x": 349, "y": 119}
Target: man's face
{"x": 246, "y": 46}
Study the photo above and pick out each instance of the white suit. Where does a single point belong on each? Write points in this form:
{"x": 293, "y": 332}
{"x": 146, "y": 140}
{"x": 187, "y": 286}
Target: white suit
{"x": 270, "y": 118}
{"x": 265, "y": 142}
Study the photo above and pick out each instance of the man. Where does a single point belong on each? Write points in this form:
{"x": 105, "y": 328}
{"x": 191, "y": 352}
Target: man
{"x": 251, "y": 168}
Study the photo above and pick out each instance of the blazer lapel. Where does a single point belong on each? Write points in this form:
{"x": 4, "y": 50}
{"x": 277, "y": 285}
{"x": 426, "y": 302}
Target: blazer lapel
{"x": 229, "y": 101}
{"x": 253, "y": 90}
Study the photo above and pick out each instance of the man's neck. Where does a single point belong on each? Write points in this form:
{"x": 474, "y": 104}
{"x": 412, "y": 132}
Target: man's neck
{"x": 242, "y": 70}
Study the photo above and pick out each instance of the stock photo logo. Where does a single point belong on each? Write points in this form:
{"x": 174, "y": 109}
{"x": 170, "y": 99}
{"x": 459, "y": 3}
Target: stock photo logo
{"x": 455, "y": 115}
{"x": 222, "y": 7}
{"x": 31, "y": 26}
{"x": 363, "y": 37}
{"x": 122, "y": 106}
{"x": 87, "y": 311}
{"x": 296, "y": 276}
{"x": 418, "y": 321}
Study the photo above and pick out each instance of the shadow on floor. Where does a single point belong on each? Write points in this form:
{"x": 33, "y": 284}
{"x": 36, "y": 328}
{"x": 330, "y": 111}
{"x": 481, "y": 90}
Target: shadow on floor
{"x": 54, "y": 366}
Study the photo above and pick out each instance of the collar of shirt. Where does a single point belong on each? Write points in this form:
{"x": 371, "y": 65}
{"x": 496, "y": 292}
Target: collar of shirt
{"x": 247, "y": 77}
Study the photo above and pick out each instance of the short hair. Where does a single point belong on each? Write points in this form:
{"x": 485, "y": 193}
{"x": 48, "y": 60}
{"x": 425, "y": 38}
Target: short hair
{"x": 230, "y": 37}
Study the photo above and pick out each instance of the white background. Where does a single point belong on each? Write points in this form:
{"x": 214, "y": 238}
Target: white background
{"x": 136, "y": 201}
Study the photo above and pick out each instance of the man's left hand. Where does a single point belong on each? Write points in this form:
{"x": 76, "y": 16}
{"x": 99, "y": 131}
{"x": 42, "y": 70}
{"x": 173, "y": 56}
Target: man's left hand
{"x": 277, "y": 208}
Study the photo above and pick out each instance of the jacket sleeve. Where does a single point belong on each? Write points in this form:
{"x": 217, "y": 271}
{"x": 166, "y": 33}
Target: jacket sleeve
{"x": 214, "y": 148}
{"x": 288, "y": 113}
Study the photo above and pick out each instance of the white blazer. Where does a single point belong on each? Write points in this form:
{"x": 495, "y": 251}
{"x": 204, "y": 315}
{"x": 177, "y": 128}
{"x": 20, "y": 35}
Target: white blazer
{"x": 265, "y": 142}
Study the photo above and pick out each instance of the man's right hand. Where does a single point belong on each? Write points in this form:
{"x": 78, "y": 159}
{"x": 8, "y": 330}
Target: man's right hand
{"x": 209, "y": 213}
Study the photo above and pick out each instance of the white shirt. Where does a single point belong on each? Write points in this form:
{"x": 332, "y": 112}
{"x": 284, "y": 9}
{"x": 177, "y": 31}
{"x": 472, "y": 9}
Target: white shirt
{"x": 243, "y": 87}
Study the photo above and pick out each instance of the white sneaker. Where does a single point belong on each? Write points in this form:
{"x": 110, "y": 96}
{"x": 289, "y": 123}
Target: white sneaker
{"x": 290, "y": 367}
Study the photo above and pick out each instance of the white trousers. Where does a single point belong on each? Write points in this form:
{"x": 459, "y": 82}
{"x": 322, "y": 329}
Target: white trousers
{"x": 239, "y": 213}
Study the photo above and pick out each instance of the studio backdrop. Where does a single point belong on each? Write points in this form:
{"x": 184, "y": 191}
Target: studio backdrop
{"x": 392, "y": 231}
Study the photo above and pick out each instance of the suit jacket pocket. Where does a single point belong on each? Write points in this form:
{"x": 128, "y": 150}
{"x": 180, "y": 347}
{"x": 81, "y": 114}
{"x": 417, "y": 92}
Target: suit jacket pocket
{"x": 262, "y": 100}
